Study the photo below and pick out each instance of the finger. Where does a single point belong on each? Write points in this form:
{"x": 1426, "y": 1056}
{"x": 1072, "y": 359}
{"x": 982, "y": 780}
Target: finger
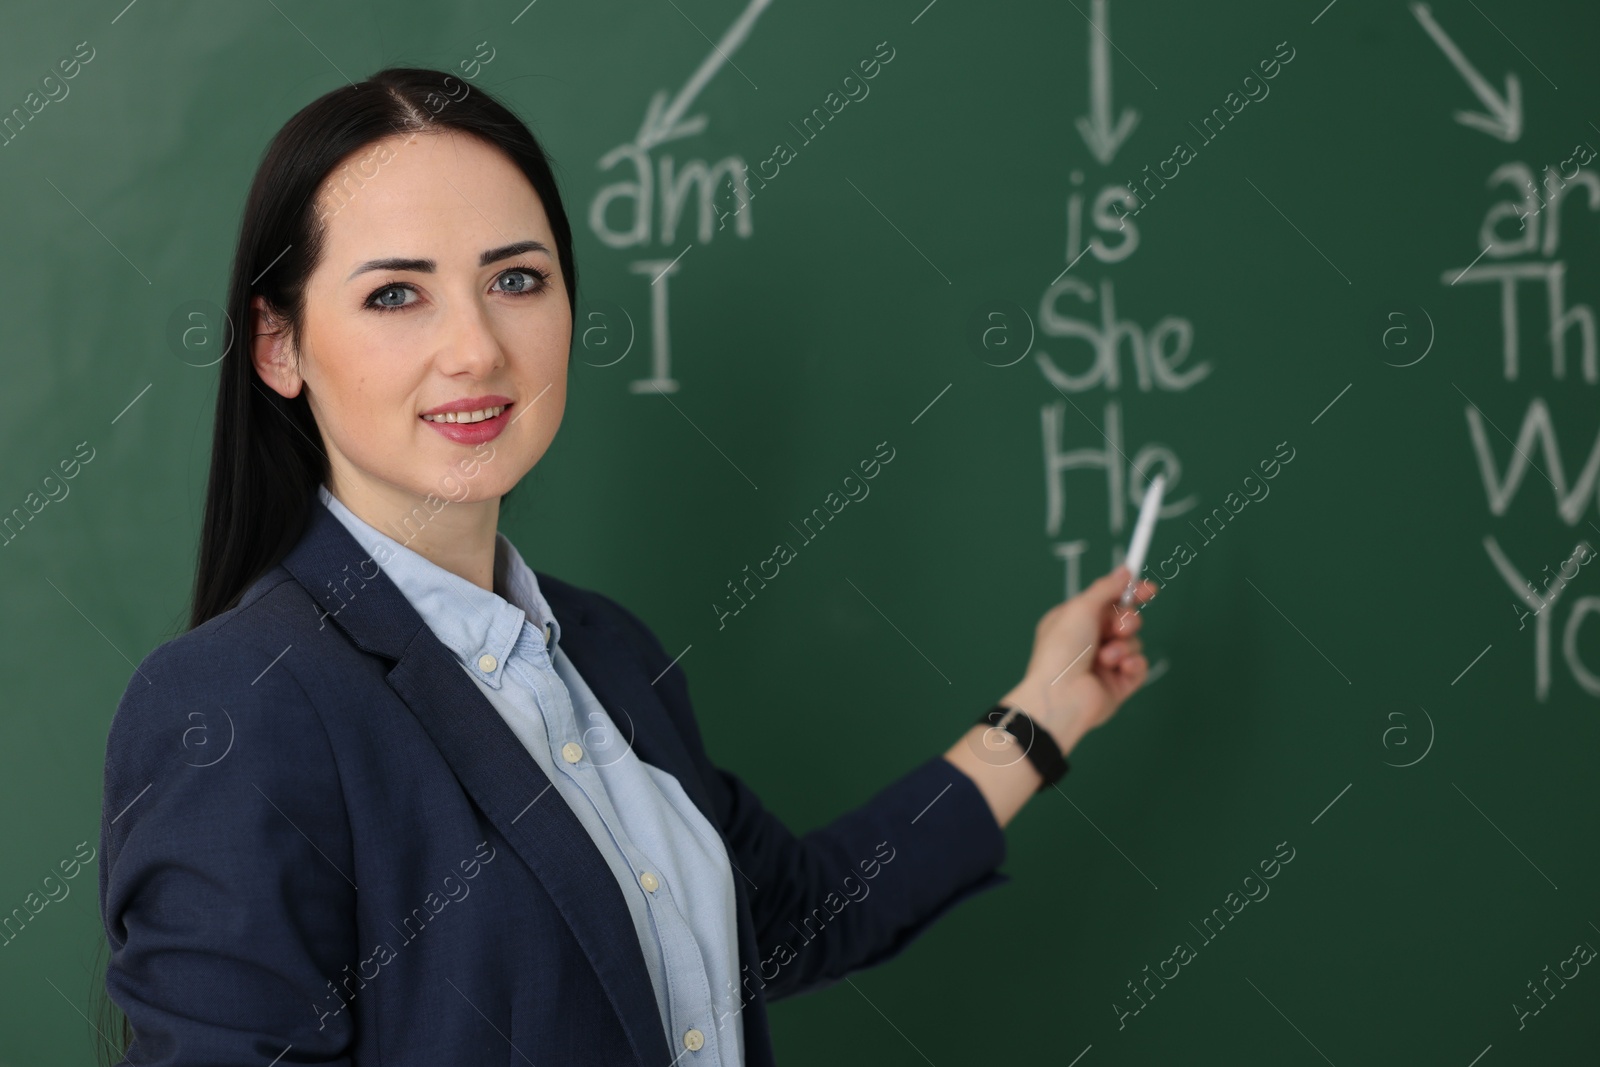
{"x": 1143, "y": 592}
{"x": 1109, "y": 586}
{"x": 1131, "y": 674}
{"x": 1123, "y": 606}
{"x": 1113, "y": 652}
{"x": 1123, "y": 679}
{"x": 1120, "y": 621}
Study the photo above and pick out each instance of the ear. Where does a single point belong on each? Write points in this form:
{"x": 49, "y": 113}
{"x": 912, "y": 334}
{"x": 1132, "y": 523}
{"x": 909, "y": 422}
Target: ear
{"x": 272, "y": 350}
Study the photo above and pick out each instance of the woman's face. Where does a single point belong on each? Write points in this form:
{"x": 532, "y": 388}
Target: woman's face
{"x": 437, "y": 287}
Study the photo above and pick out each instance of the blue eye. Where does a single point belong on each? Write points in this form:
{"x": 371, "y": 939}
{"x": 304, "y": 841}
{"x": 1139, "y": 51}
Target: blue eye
{"x": 391, "y": 297}
{"x": 521, "y": 280}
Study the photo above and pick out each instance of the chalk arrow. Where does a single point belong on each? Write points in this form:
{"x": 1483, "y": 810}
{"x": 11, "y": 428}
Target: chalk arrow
{"x": 1102, "y": 137}
{"x": 663, "y": 119}
{"x": 1504, "y": 119}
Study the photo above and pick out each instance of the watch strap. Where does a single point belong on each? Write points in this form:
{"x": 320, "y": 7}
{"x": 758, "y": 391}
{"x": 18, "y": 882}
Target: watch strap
{"x": 1037, "y": 744}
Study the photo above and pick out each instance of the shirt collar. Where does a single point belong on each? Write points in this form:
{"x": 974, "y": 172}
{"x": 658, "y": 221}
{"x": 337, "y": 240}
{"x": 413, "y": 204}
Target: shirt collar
{"x": 480, "y": 627}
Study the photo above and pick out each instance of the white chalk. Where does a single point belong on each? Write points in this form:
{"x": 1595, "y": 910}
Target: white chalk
{"x": 1143, "y": 530}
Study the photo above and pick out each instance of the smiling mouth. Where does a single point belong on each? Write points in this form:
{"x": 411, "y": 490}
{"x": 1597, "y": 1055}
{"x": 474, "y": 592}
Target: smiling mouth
{"x": 468, "y": 417}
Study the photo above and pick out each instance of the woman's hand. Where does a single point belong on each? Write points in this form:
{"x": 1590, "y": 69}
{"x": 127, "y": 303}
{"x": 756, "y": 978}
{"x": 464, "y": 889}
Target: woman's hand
{"x": 1087, "y": 659}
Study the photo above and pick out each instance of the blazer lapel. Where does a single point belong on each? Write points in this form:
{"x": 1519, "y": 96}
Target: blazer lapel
{"x": 491, "y": 763}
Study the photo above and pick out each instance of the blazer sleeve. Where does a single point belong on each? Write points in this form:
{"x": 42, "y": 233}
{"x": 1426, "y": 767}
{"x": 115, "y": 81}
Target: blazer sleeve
{"x": 226, "y": 877}
{"x": 857, "y": 891}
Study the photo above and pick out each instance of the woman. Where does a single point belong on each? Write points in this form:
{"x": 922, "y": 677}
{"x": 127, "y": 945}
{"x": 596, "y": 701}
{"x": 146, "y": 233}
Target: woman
{"x": 397, "y": 798}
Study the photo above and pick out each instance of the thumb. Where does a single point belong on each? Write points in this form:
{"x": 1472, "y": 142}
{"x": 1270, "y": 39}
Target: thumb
{"x": 1108, "y": 587}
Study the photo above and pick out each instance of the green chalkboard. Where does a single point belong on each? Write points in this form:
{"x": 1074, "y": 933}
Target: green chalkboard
{"x": 1331, "y": 269}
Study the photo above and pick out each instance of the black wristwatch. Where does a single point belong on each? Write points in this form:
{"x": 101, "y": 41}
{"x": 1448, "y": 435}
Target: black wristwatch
{"x": 1037, "y": 744}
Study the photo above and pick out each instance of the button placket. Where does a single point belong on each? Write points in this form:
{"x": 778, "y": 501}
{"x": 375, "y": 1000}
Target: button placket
{"x": 670, "y": 914}
{"x": 693, "y": 965}
{"x": 560, "y": 714}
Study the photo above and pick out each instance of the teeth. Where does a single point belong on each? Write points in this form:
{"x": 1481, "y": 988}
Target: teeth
{"x": 466, "y": 416}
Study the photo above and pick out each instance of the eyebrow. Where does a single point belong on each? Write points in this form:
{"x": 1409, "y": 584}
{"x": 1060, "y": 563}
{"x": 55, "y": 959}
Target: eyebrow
{"x": 427, "y": 266}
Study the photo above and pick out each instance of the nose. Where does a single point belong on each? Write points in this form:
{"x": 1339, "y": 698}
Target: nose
{"x": 469, "y": 346}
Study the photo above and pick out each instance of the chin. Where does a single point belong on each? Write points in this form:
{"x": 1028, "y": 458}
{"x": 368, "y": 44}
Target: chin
{"x": 477, "y": 472}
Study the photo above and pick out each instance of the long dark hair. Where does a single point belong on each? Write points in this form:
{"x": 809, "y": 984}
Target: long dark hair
{"x": 267, "y": 455}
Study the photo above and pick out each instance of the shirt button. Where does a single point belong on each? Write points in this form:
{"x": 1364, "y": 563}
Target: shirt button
{"x": 649, "y": 881}
{"x": 693, "y": 1039}
{"x": 487, "y": 663}
{"x": 572, "y": 752}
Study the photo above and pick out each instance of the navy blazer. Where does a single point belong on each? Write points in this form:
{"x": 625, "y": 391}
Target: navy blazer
{"x": 321, "y": 842}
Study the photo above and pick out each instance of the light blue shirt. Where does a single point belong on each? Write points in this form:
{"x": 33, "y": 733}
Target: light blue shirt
{"x": 667, "y": 858}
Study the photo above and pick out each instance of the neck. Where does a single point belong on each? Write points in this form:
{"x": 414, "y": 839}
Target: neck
{"x": 458, "y": 536}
